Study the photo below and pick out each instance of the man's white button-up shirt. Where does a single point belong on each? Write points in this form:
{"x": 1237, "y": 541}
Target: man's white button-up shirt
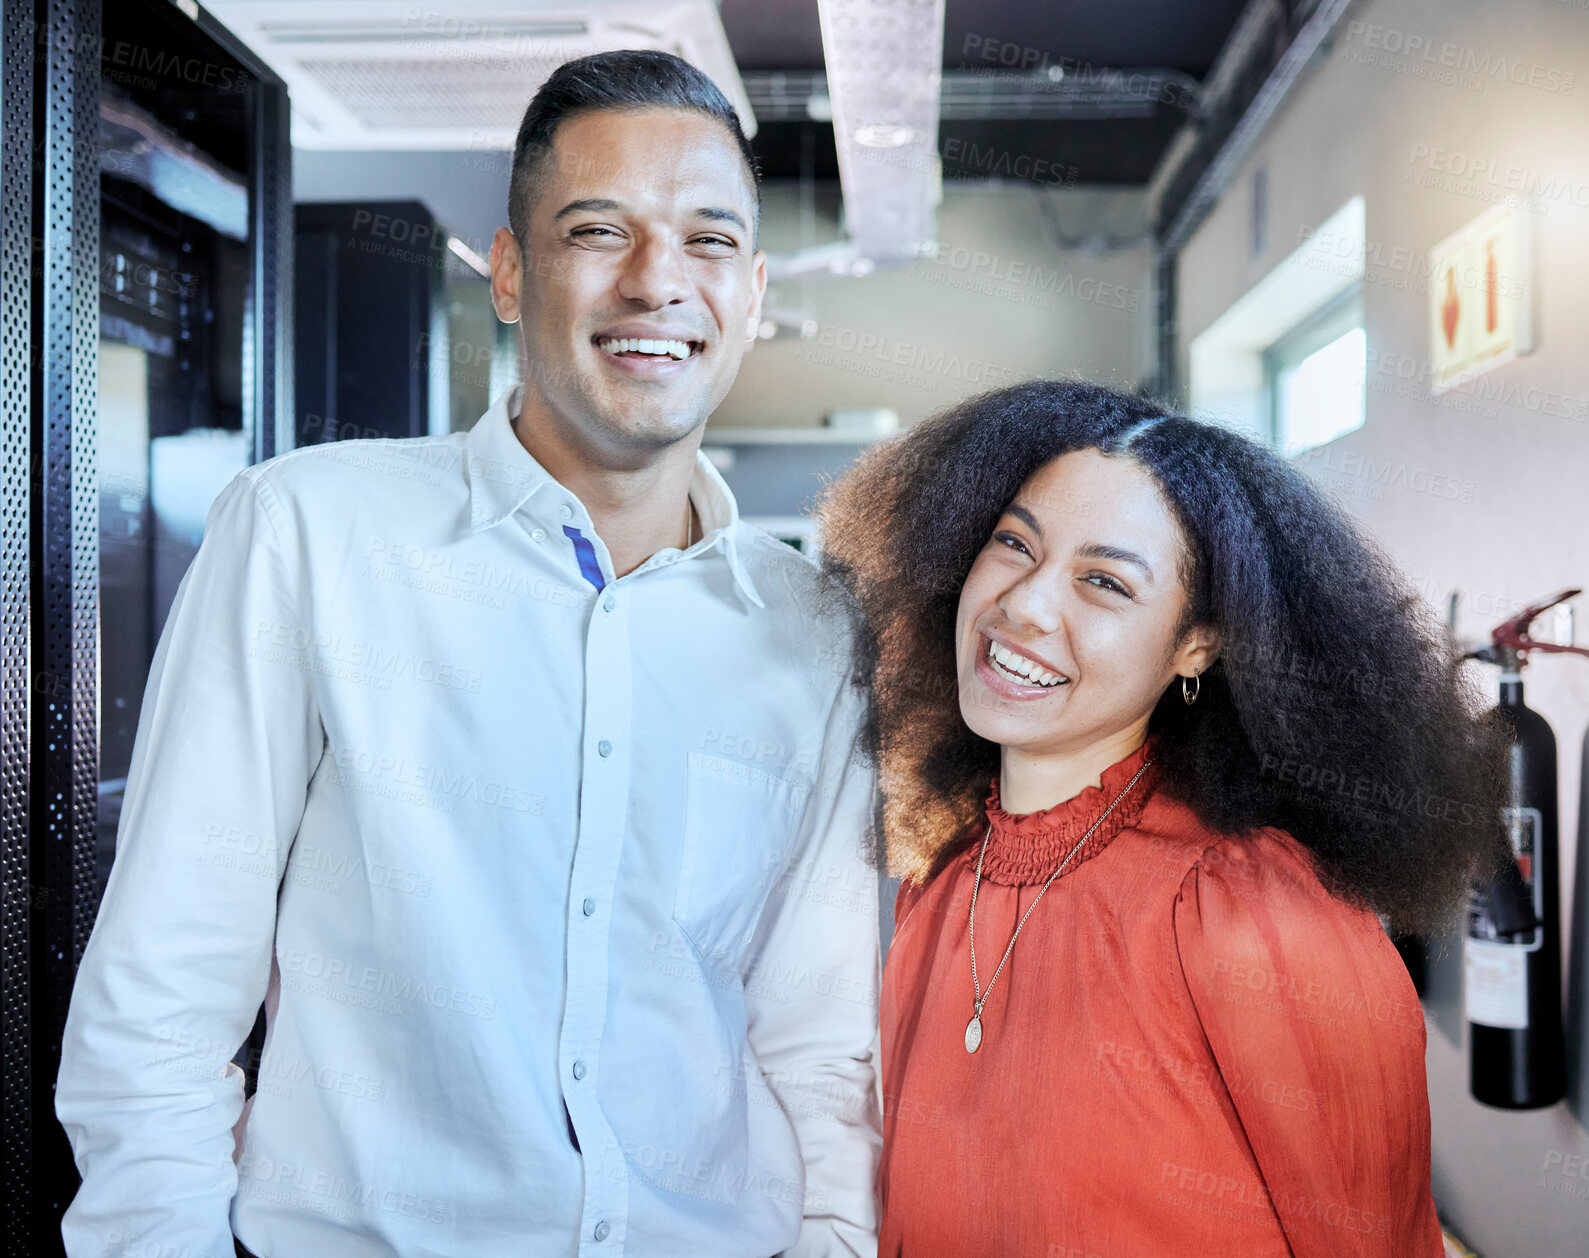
{"x": 552, "y": 883}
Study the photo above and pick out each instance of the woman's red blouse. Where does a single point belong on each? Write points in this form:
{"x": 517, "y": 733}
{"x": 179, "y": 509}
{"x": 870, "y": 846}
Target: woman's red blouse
{"x": 1194, "y": 1049}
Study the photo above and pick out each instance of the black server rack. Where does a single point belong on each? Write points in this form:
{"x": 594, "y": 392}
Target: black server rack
{"x": 370, "y": 320}
{"x": 145, "y": 218}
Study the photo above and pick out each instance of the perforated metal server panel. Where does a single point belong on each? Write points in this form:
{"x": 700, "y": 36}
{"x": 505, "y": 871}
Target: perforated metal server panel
{"x": 65, "y": 515}
{"x": 16, "y": 253}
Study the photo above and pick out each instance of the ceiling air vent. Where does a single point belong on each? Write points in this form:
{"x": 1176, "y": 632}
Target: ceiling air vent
{"x": 453, "y": 75}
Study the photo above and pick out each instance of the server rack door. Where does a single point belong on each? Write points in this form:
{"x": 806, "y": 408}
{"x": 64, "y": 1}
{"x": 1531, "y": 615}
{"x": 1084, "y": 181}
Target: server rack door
{"x": 145, "y": 213}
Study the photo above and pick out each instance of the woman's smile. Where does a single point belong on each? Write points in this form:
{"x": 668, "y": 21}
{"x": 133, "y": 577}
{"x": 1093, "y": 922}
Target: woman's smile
{"x": 1013, "y": 674}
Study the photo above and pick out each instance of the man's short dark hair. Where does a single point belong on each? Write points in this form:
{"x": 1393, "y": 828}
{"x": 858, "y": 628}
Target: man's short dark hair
{"x": 628, "y": 79}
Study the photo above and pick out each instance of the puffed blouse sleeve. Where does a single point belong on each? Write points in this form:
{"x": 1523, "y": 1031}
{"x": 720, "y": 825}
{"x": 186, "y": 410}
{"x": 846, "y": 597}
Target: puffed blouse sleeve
{"x": 1319, "y": 1038}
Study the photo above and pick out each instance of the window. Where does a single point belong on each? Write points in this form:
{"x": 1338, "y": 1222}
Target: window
{"x": 1315, "y": 377}
{"x": 1297, "y": 390}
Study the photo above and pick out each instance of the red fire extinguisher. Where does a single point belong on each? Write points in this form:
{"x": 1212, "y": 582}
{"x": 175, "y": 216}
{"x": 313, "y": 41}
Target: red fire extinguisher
{"x": 1512, "y": 953}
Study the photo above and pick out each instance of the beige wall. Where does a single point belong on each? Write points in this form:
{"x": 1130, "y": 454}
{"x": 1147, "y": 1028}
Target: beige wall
{"x": 1004, "y": 300}
{"x": 1517, "y": 526}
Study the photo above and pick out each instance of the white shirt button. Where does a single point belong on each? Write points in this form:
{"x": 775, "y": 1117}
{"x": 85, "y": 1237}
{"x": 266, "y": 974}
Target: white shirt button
{"x": 602, "y": 1231}
{"x": 579, "y": 1068}
{"x": 608, "y": 603}
{"x": 604, "y": 748}
{"x": 539, "y": 535}
{"x": 566, "y": 511}
{"x": 589, "y": 906}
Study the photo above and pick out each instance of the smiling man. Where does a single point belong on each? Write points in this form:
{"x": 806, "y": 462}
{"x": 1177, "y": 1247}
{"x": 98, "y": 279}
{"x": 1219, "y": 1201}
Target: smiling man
{"x": 513, "y": 773}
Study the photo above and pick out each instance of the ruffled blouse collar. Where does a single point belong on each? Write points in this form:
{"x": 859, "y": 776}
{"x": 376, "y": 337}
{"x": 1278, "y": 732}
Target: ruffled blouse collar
{"x": 1025, "y": 848}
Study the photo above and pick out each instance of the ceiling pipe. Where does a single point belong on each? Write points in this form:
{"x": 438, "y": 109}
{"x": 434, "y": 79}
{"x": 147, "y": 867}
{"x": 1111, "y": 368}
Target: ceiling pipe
{"x": 1206, "y": 157}
{"x": 1001, "y": 96}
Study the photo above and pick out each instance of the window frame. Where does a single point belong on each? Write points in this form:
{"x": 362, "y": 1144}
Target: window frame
{"x": 1343, "y": 313}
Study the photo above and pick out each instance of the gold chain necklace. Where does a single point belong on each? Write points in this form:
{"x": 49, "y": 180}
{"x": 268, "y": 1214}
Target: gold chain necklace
{"x": 978, "y": 996}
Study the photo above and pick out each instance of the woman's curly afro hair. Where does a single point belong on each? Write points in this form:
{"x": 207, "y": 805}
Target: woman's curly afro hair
{"x": 1337, "y": 709}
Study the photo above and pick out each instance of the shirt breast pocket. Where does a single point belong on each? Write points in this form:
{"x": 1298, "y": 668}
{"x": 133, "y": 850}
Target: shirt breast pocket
{"x": 740, "y": 827}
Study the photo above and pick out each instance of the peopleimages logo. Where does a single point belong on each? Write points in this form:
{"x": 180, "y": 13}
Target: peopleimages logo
{"x": 920, "y": 366}
{"x": 961, "y": 157}
{"x": 1020, "y": 273}
{"x": 123, "y": 59}
{"x": 1459, "y": 58}
{"x": 1487, "y": 177}
{"x": 1393, "y": 265}
{"x": 321, "y": 975}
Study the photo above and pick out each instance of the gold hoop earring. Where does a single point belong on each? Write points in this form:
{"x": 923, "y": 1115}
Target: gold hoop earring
{"x": 1189, "y": 695}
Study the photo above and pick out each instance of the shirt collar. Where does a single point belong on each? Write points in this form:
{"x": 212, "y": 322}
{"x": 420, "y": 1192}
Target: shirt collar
{"x": 503, "y": 476}
{"x": 714, "y": 503}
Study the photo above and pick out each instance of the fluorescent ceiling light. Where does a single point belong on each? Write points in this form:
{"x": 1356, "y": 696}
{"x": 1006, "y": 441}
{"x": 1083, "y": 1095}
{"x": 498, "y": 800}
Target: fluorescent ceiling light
{"x": 470, "y": 258}
{"x": 884, "y": 135}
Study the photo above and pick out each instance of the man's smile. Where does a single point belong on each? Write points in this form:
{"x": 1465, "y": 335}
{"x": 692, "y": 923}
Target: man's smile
{"x": 640, "y": 348}
{"x": 649, "y": 351}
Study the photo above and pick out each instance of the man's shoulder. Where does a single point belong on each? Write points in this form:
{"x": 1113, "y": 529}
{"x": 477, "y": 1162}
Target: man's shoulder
{"x": 793, "y": 578}
{"x": 340, "y": 474}
{"x": 794, "y": 589}
{"x": 762, "y": 548}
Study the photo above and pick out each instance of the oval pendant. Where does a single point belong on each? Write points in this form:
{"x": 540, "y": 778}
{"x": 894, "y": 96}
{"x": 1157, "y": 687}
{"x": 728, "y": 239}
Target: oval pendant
{"x": 973, "y": 1033}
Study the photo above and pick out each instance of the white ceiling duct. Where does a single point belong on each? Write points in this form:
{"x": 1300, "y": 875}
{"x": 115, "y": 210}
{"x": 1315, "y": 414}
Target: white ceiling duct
{"x": 884, "y": 77}
{"x": 453, "y": 74}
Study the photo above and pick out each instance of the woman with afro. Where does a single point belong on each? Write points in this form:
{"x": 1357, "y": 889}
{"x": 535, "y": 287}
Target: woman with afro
{"x": 1165, "y": 745}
